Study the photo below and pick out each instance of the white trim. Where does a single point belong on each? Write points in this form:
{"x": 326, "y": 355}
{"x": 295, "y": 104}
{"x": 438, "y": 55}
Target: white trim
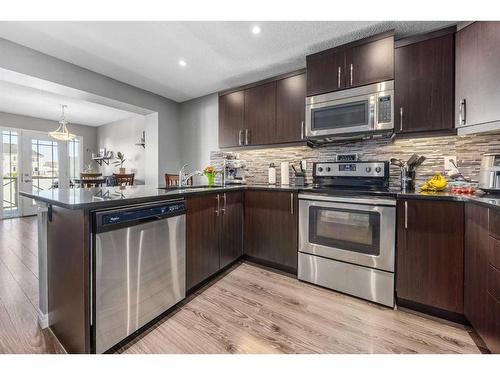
{"x": 43, "y": 319}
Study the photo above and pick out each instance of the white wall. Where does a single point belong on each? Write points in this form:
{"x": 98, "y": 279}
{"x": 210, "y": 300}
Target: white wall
{"x": 199, "y": 132}
{"x": 88, "y": 133}
{"x": 122, "y": 136}
{"x": 27, "y": 61}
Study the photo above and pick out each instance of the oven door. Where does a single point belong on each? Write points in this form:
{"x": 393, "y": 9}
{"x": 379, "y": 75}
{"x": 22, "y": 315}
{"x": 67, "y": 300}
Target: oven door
{"x": 341, "y": 116}
{"x": 355, "y": 230}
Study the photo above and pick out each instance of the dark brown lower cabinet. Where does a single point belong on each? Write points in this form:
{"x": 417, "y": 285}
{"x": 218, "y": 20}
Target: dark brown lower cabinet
{"x": 430, "y": 255}
{"x": 271, "y": 223}
{"x": 214, "y": 234}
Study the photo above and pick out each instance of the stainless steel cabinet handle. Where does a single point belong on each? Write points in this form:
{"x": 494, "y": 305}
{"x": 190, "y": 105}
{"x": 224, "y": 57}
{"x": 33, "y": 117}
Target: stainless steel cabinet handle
{"x": 401, "y": 119}
{"x": 302, "y": 130}
{"x": 239, "y": 137}
{"x": 352, "y": 69}
{"x": 406, "y": 214}
{"x": 291, "y": 203}
{"x": 246, "y": 136}
{"x": 338, "y": 77}
{"x": 218, "y": 205}
{"x": 462, "y": 113}
{"x": 223, "y": 209}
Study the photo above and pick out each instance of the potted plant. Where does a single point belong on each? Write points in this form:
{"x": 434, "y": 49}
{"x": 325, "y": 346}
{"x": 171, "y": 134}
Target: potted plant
{"x": 210, "y": 173}
{"x": 120, "y": 162}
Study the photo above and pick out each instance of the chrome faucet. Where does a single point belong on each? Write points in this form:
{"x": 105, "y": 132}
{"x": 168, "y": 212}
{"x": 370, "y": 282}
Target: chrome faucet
{"x": 184, "y": 178}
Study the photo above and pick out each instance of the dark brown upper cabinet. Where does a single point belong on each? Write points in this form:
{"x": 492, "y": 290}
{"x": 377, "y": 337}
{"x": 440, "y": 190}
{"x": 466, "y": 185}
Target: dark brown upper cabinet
{"x": 370, "y": 62}
{"x": 260, "y": 114}
{"x": 290, "y": 109}
{"x": 359, "y": 63}
{"x": 231, "y": 116}
{"x": 326, "y": 72}
{"x": 477, "y": 74}
{"x": 424, "y": 84}
{"x": 430, "y": 256}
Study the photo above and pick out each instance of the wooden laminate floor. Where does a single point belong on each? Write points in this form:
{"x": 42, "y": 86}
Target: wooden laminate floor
{"x": 247, "y": 310}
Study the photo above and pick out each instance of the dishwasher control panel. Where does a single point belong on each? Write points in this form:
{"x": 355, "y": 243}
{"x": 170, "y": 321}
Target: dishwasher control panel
{"x": 107, "y": 220}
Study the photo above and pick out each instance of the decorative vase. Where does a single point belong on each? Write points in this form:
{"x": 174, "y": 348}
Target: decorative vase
{"x": 121, "y": 170}
{"x": 211, "y": 179}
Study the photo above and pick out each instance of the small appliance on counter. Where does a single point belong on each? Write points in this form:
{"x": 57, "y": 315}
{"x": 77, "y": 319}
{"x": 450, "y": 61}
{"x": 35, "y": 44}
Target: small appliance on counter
{"x": 234, "y": 171}
{"x": 489, "y": 175}
{"x": 347, "y": 230}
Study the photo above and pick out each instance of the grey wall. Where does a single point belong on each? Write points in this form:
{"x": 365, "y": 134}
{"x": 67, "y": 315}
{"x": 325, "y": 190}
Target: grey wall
{"x": 199, "y": 132}
{"x": 122, "y": 136}
{"x": 88, "y": 133}
{"x": 24, "y": 60}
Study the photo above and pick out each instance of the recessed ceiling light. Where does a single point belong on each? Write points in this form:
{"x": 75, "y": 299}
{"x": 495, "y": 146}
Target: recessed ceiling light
{"x": 182, "y": 63}
{"x": 256, "y": 30}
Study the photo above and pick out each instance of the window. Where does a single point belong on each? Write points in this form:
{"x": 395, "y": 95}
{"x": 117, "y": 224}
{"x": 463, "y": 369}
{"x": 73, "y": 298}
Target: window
{"x": 10, "y": 141}
{"x": 45, "y": 164}
{"x": 75, "y": 160}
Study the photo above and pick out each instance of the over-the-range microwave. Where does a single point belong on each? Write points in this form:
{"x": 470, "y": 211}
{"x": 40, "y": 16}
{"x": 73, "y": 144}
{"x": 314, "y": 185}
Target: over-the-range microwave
{"x": 353, "y": 113}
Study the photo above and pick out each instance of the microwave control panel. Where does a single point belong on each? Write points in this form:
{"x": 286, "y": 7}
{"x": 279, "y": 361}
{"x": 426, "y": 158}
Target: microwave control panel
{"x": 384, "y": 109}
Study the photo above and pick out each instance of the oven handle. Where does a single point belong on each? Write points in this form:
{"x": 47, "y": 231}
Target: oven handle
{"x": 370, "y": 201}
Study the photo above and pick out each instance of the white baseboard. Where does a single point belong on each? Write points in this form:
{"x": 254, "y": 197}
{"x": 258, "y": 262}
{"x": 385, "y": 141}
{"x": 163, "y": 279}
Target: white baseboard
{"x": 43, "y": 319}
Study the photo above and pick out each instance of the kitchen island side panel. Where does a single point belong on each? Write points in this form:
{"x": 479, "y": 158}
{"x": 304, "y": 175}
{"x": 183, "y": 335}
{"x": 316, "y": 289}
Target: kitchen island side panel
{"x": 68, "y": 233}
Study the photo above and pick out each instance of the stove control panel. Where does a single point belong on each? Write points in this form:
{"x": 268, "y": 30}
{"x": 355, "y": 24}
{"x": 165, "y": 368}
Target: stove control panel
{"x": 351, "y": 169}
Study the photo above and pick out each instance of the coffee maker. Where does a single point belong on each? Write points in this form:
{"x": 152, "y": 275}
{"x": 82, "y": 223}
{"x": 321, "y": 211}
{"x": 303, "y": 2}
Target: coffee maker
{"x": 234, "y": 171}
{"x": 489, "y": 176}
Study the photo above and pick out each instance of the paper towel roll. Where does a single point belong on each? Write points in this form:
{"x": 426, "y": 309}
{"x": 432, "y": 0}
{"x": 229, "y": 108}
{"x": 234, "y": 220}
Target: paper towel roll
{"x": 285, "y": 174}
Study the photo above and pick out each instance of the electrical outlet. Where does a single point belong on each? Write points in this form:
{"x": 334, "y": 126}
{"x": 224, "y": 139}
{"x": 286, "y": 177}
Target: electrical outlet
{"x": 447, "y": 164}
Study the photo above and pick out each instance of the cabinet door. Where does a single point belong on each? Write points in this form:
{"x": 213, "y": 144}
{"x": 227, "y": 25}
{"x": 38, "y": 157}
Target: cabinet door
{"x": 478, "y": 73}
{"x": 231, "y": 243}
{"x": 290, "y": 109}
{"x": 260, "y": 114}
{"x": 476, "y": 266}
{"x": 326, "y": 72}
{"x": 370, "y": 62}
{"x": 271, "y": 228}
{"x": 231, "y": 110}
{"x": 430, "y": 253}
{"x": 202, "y": 239}
{"x": 424, "y": 82}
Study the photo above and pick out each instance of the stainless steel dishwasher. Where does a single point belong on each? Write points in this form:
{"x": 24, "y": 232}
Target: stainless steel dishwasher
{"x": 140, "y": 258}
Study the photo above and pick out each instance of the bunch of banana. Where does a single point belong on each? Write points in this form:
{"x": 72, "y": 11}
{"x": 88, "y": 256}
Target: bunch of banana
{"x": 436, "y": 183}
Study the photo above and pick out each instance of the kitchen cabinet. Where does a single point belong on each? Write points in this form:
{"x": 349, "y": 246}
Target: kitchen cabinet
{"x": 424, "y": 84}
{"x": 231, "y": 115}
{"x": 260, "y": 114}
{"x": 476, "y": 266}
{"x": 213, "y": 234}
{"x": 290, "y": 109}
{"x": 271, "y": 228}
{"x": 326, "y": 72}
{"x": 231, "y": 233}
{"x": 359, "y": 63}
{"x": 370, "y": 62}
{"x": 477, "y": 74}
{"x": 430, "y": 256}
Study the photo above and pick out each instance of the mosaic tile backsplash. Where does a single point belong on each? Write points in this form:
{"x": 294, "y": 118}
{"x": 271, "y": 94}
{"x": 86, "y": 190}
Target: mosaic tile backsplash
{"x": 467, "y": 149}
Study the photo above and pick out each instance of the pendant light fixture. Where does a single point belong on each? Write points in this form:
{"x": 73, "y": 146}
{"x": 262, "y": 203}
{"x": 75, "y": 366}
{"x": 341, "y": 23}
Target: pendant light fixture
{"x": 62, "y": 133}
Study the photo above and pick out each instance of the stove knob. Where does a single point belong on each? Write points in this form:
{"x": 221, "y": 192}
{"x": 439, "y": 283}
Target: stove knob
{"x": 378, "y": 169}
{"x": 368, "y": 169}
{"x": 328, "y": 169}
{"x": 320, "y": 169}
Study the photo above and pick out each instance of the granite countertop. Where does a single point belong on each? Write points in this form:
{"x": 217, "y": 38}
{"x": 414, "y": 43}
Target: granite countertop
{"x": 94, "y": 198}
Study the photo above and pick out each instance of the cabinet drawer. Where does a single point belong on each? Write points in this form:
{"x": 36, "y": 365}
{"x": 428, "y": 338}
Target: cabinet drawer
{"x": 494, "y": 252}
{"x": 494, "y": 223}
{"x": 493, "y": 282}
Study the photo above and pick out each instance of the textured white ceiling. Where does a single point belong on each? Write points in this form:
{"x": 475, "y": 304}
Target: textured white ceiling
{"x": 22, "y": 100}
{"x": 219, "y": 54}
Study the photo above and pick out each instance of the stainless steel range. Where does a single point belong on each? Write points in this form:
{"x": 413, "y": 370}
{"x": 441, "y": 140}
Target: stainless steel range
{"x": 347, "y": 230}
